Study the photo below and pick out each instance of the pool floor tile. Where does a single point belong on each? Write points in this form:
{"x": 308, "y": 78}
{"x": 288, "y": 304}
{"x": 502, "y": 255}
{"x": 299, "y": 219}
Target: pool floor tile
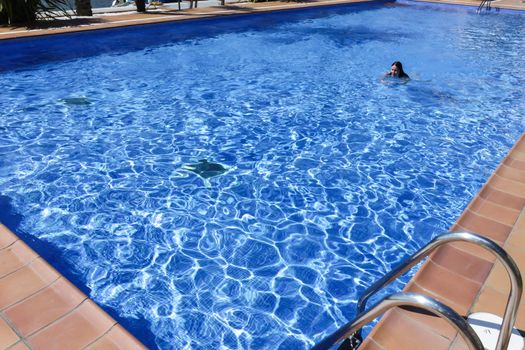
{"x": 44, "y": 307}
{"x": 76, "y": 330}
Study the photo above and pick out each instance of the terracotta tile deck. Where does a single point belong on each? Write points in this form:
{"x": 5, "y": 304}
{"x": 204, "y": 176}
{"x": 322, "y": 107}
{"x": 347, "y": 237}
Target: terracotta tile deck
{"x": 39, "y": 309}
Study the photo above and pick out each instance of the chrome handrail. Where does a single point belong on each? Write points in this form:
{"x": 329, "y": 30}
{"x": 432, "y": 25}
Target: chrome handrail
{"x": 516, "y": 283}
{"x": 482, "y": 4}
{"x": 404, "y": 299}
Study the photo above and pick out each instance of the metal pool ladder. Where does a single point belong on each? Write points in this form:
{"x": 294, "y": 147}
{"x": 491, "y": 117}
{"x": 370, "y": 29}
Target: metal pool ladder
{"x": 484, "y": 3}
{"x": 351, "y": 332}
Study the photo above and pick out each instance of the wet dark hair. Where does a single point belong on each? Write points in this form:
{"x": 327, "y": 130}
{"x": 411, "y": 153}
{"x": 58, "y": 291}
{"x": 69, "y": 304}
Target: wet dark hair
{"x": 399, "y": 66}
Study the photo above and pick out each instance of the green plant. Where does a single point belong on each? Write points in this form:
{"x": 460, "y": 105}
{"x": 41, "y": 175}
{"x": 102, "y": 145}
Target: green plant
{"x": 28, "y": 11}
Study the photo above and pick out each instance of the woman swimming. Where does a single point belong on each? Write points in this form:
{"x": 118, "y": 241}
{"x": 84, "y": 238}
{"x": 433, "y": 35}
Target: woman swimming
{"x": 396, "y": 71}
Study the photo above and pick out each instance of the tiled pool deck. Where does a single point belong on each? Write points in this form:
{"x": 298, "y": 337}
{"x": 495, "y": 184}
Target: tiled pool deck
{"x": 40, "y": 309}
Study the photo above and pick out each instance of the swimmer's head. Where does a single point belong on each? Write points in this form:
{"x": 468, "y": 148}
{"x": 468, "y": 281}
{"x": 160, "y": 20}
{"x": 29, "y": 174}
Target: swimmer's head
{"x": 396, "y": 70}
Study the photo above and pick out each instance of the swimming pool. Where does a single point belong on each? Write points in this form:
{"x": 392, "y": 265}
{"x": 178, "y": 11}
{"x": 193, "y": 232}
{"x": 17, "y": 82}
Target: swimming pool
{"x": 333, "y": 177}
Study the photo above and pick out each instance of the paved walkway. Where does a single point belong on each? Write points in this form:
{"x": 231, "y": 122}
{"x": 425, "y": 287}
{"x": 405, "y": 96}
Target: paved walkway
{"x": 505, "y": 4}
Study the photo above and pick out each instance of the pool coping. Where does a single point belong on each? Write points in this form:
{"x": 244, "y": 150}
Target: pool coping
{"x": 41, "y": 309}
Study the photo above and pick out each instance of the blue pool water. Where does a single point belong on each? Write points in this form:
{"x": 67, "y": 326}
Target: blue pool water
{"x": 332, "y": 176}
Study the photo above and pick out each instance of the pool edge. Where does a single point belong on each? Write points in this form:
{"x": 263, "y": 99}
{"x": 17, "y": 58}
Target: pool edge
{"x": 40, "y": 308}
{"x": 149, "y": 18}
{"x": 463, "y": 276}
{"x": 134, "y": 19}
